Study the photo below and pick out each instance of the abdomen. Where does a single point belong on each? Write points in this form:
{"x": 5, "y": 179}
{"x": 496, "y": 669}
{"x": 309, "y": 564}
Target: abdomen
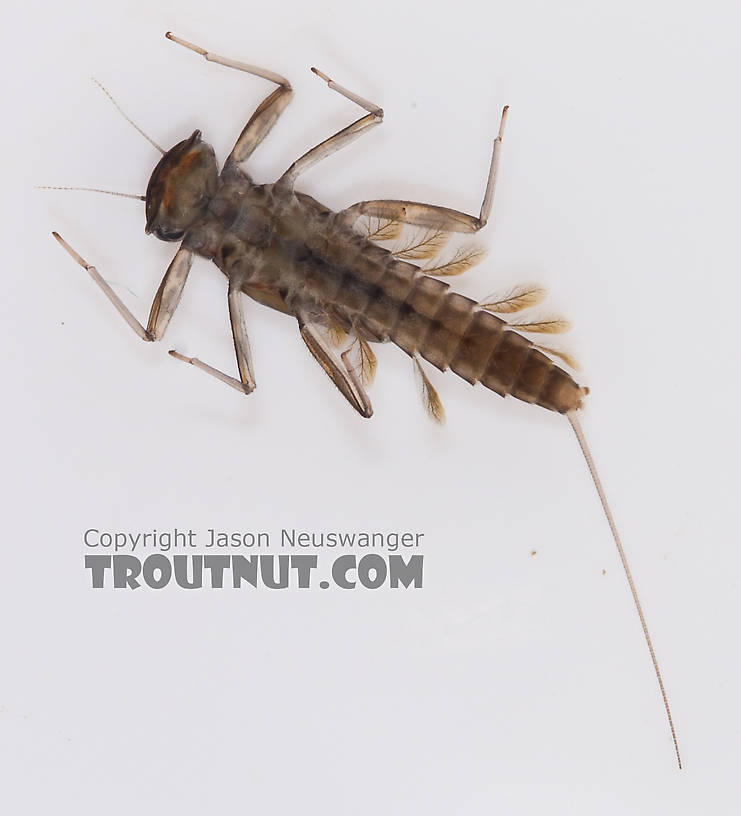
{"x": 421, "y": 315}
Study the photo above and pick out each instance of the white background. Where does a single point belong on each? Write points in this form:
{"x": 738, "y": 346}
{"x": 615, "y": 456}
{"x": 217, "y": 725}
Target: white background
{"x": 510, "y": 683}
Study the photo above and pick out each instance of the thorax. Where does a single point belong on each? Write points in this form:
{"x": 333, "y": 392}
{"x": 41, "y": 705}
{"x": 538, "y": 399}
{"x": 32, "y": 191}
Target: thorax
{"x": 269, "y": 237}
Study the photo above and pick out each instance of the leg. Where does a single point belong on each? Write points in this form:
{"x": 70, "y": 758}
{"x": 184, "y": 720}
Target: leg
{"x": 339, "y": 140}
{"x": 429, "y": 215}
{"x": 263, "y": 119}
{"x": 214, "y": 372}
{"x": 165, "y": 301}
{"x": 168, "y": 295}
{"x": 342, "y": 375}
{"x": 246, "y": 382}
{"x": 241, "y": 340}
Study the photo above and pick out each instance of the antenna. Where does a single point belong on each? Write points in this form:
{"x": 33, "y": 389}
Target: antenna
{"x": 575, "y": 424}
{"x": 92, "y": 190}
{"x": 129, "y": 120}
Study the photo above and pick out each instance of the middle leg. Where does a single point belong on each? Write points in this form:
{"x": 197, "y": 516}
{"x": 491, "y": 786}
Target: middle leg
{"x": 340, "y": 139}
{"x": 246, "y": 382}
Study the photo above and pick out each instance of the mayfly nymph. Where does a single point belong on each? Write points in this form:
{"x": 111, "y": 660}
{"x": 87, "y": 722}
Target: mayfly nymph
{"x": 345, "y": 289}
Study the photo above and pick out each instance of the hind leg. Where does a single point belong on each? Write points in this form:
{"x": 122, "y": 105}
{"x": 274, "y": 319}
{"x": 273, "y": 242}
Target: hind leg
{"x": 430, "y": 215}
{"x": 313, "y": 328}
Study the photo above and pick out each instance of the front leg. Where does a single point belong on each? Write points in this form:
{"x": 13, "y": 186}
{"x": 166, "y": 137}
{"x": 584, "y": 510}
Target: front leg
{"x": 165, "y": 301}
{"x": 266, "y": 115}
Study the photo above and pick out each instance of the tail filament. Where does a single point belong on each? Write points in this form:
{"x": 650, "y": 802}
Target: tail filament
{"x": 573, "y": 419}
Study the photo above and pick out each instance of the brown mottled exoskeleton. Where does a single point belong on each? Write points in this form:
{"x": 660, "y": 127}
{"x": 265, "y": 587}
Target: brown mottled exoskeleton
{"x": 289, "y": 252}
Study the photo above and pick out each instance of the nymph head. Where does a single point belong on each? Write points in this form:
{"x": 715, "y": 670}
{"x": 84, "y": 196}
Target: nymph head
{"x": 182, "y": 184}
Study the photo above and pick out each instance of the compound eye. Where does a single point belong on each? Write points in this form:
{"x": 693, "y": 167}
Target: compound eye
{"x": 169, "y": 235}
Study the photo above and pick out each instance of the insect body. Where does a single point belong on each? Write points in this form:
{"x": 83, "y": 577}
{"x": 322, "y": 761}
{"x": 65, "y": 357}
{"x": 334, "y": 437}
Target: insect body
{"x": 286, "y": 250}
